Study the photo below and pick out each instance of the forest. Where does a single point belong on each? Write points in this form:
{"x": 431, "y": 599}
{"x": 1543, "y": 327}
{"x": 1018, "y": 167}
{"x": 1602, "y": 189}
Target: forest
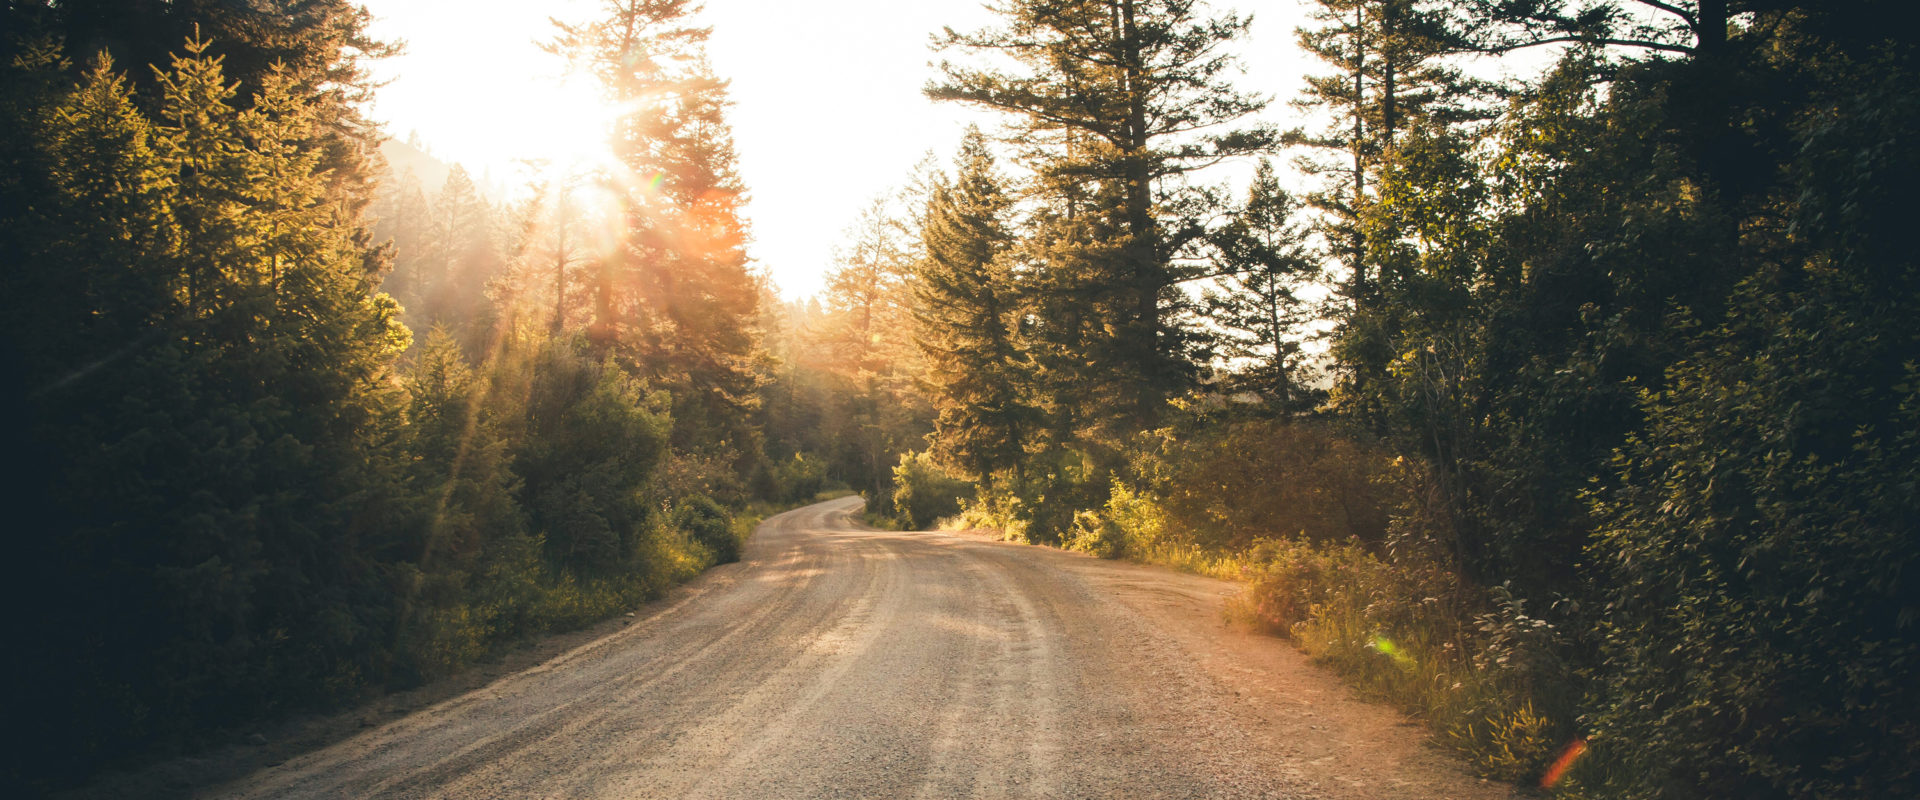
{"x": 1550, "y": 373}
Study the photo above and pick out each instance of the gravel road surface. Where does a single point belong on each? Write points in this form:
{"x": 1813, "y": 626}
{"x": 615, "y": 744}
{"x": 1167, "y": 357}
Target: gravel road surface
{"x": 840, "y": 661}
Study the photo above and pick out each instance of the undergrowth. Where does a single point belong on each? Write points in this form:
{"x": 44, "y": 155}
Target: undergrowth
{"x": 1489, "y": 683}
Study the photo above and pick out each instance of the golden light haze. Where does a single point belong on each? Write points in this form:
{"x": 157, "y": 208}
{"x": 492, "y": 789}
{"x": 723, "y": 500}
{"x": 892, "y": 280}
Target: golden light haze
{"x": 827, "y": 109}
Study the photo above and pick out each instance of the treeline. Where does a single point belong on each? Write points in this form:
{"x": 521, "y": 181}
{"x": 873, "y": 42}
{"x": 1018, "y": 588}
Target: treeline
{"x": 1575, "y": 411}
{"x": 282, "y": 433}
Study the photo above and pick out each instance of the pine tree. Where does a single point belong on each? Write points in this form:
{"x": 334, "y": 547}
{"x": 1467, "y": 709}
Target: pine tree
{"x": 209, "y": 467}
{"x": 463, "y": 256}
{"x": 967, "y": 309}
{"x": 402, "y": 216}
{"x": 866, "y": 339}
{"x": 1389, "y": 80}
{"x": 555, "y": 251}
{"x": 677, "y": 295}
{"x": 1118, "y": 101}
{"x": 1256, "y": 307}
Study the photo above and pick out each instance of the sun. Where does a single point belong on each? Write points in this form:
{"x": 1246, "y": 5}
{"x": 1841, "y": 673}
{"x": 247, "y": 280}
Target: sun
{"x": 564, "y": 126}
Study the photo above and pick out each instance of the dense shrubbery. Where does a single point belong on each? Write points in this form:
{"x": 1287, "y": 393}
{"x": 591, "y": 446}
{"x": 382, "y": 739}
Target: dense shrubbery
{"x": 1285, "y": 478}
{"x": 923, "y": 494}
{"x": 799, "y": 478}
{"x": 1492, "y": 682}
{"x": 710, "y": 524}
{"x": 536, "y": 476}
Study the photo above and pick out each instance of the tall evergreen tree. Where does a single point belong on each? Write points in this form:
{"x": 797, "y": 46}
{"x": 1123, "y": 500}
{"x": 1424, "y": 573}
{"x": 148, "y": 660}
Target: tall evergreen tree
{"x": 1256, "y": 307}
{"x": 1118, "y": 101}
{"x": 677, "y": 295}
{"x": 866, "y": 337}
{"x": 461, "y": 258}
{"x": 402, "y": 215}
{"x": 967, "y": 313}
{"x": 209, "y": 491}
{"x": 1388, "y": 79}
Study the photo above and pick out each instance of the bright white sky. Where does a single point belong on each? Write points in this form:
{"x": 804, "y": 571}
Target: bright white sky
{"x": 828, "y": 111}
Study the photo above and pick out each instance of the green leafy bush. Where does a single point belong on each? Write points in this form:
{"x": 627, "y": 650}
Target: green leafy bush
{"x": 1401, "y": 631}
{"x": 800, "y": 478}
{"x": 1037, "y": 503}
{"x": 1228, "y": 487}
{"x": 1095, "y": 534}
{"x": 1131, "y": 525}
{"x": 924, "y": 493}
{"x": 710, "y": 524}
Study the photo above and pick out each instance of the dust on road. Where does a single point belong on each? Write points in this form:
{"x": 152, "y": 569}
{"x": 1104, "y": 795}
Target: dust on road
{"x": 840, "y": 661}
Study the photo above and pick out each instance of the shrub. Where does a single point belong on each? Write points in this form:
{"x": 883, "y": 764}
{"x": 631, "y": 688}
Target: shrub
{"x": 1037, "y": 503}
{"x": 1256, "y": 479}
{"x": 1398, "y": 631}
{"x": 1096, "y": 535}
{"x": 1760, "y": 554}
{"x": 710, "y": 524}
{"x": 799, "y": 479}
{"x": 924, "y": 493}
{"x": 1131, "y": 525}
{"x": 708, "y": 474}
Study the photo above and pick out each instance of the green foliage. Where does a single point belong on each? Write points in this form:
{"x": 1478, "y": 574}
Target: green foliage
{"x": 1398, "y": 631}
{"x": 448, "y": 255}
{"x": 678, "y": 303}
{"x": 1655, "y": 268}
{"x": 799, "y": 479}
{"x": 1293, "y": 478}
{"x": 1113, "y": 104}
{"x": 924, "y": 493}
{"x": 966, "y": 304}
{"x": 1763, "y": 521}
{"x": 849, "y": 390}
{"x": 1128, "y": 527}
{"x": 202, "y": 441}
{"x": 710, "y": 524}
{"x": 1037, "y": 503}
{"x": 1256, "y": 304}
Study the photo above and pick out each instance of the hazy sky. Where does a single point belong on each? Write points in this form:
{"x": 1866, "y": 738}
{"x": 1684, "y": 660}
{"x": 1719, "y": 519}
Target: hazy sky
{"x": 828, "y": 111}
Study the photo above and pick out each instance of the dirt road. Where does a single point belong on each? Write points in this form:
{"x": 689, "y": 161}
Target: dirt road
{"x": 838, "y": 661}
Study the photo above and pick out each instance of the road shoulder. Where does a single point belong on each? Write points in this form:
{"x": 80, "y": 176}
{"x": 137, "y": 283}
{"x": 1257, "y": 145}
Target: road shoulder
{"x": 1335, "y": 741}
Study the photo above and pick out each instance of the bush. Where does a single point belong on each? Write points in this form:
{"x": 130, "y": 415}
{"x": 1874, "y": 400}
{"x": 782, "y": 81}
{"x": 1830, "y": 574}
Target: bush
{"x": 799, "y": 479}
{"x": 711, "y": 525}
{"x": 1037, "y": 503}
{"x": 924, "y": 493}
{"x": 1131, "y": 525}
{"x": 1760, "y": 556}
{"x": 709, "y": 474}
{"x": 1096, "y": 535}
{"x": 1233, "y": 486}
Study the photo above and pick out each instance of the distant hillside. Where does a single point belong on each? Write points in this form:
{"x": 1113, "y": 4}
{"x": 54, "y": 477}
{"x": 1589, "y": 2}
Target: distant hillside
{"x": 403, "y": 156}
{"x": 411, "y": 154}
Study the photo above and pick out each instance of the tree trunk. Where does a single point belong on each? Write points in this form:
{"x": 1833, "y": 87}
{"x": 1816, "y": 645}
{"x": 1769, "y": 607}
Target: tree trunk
{"x": 1357, "y": 283}
{"x": 560, "y": 266}
{"x": 1143, "y": 245}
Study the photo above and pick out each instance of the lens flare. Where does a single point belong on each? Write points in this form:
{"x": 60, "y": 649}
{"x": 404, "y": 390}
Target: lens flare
{"x": 1563, "y": 762}
{"x": 1393, "y": 652}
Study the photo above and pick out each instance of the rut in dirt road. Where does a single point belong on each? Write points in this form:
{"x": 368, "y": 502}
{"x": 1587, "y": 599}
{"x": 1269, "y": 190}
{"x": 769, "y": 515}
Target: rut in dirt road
{"x": 839, "y": 661}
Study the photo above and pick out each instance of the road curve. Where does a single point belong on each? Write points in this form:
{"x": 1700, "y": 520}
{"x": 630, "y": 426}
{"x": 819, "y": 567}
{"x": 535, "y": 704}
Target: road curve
{"x": 840, "y": 661}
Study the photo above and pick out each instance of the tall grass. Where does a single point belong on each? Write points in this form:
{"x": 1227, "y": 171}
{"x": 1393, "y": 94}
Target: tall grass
{"x": 1486, "y": 677}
